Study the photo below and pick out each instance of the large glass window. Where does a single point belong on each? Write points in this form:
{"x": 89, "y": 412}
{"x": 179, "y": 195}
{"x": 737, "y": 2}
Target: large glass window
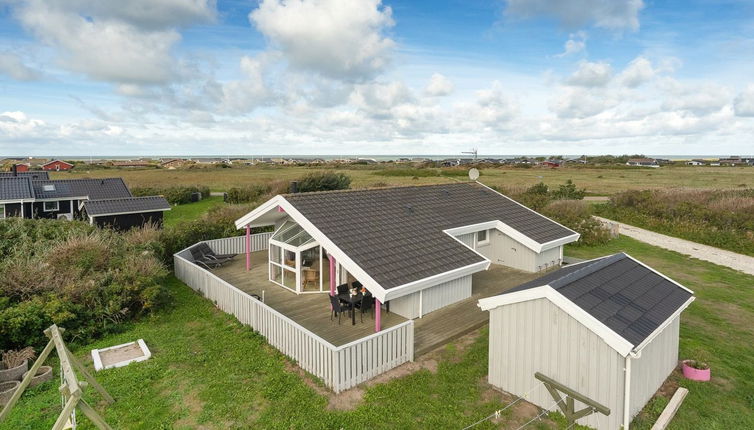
{"x": 291, "y": 250}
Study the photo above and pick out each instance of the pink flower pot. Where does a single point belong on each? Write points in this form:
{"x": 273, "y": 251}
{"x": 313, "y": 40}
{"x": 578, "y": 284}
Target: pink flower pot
{"x": 695, "y": 374}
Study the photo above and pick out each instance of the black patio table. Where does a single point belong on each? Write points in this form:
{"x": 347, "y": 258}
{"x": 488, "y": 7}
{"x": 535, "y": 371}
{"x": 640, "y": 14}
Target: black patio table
{"x": 352, "y": 300}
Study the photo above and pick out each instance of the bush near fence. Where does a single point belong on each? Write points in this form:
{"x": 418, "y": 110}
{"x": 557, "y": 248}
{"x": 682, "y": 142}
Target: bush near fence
{"x": 86, "y": 279}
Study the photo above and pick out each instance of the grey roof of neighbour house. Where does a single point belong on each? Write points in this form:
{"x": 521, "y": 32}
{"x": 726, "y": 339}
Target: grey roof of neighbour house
{"x": 94, "y": 189}
{"x": 126, "y": 205}
{"x": 35, "y": 174}
{"x": 396, "y": 234}
{"x": 626, "y": 296}
{"x": 15, "y": 188}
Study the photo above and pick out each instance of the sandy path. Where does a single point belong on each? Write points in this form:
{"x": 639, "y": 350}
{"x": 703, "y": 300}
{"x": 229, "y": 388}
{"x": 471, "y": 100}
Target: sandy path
{"x": 719, "y": 256}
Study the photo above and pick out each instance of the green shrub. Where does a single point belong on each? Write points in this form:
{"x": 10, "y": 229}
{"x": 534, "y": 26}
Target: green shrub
{"x": 577, "y": 215}
{"x": 324, "y": 181}
{"x": 176, "y": 195}
{"x": 74, "y": 275}
{"x": 247, "y": 194}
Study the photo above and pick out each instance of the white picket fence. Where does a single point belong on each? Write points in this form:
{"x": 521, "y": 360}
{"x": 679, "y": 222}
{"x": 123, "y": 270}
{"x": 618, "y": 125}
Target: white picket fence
{"x": 340, "y": 367}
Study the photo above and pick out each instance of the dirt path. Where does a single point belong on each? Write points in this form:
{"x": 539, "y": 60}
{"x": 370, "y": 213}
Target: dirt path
{"x": 719, "y": 256}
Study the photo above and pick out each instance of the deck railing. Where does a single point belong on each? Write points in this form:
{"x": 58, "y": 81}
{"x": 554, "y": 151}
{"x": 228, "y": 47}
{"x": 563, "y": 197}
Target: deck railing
{"x": 340, "y": 367}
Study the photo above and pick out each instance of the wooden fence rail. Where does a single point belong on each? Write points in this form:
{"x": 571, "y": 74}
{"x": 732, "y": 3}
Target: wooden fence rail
{"x": 340, "y": 367}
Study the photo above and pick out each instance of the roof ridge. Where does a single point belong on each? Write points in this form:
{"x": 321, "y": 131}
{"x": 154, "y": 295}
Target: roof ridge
{"x": 350, "y": 190}
{"x": 126, "y": 198}
{"x": 588, "y": 269}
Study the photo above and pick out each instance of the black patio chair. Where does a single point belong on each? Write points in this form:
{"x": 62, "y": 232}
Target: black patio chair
{"x": 342, "y": 289}
{"x": 202, "y": 260}
{"x": 337, "y": 308}
{"x": 365, "y": 305}
{"x": 209, "y": 253}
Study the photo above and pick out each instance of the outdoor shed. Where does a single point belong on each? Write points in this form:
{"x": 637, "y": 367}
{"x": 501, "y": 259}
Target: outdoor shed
{"x": 607, "y": 329}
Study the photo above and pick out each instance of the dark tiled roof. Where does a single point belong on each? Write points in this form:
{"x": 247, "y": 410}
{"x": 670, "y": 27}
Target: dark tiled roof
{"x": 15, "y": 188}
{"x": 94, "y": 189}
{"x": 396, "y": 234}
{"x": 128, "y": 204}
{"x": 35, "y": 174}
{"x": 623, "y": 294}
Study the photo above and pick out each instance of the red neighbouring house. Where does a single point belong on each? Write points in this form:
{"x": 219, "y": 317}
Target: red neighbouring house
{"x": 57, "y": 166}
{"x": 21, "y": 167}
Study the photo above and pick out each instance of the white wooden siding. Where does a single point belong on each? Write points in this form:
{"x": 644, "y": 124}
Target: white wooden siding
{"x": 406, "y": 306}
{"x": 340, "y": 367}
{"x": 657, "y": 361}
{"x": 237, "y": 244}
{"x": 537, "y": 336}
{"x": 468, "y": 239}
{"x": 444, "y": 294}
{"x": 547, "y": 259}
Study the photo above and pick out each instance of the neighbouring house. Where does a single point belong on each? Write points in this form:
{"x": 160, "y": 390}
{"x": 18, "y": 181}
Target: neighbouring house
{"x": 29, "y": 197}
{"x": 643, "y": 162}
{"x": 21, "y": 167}
{"x": 126, "y": 212}
{"x": 57, "y": 165}
{"x": 550, "y": 163}
{"x": 732, "y": 161}
{"x": 421, "y": 257}
{"x": 607, "y": 329}
{"x": 173, "y": 163}
{"x": 696, "y": 162}
{"x": 34, "y": 174}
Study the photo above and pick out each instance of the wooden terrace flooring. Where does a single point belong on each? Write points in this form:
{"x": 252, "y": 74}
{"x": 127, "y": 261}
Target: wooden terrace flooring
{"x": 312, "y": 310}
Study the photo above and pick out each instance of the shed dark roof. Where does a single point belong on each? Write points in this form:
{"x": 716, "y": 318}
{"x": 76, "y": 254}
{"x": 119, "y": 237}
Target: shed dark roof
{"x": 396, "y": 234}
{"x": 626, "y": 296}
{"x": 34, "y": 174}
{"x": 15, "y": 188}
{"x": 125, "y": 205}
{"x": 94, "y": 189}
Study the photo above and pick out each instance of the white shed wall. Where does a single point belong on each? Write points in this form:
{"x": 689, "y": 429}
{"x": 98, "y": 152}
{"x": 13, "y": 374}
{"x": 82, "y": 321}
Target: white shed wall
{"x": 657, "y": 361}
{"x": 504, "y": 250}
{"x": 537, "y": 336}
{"x": 467, "y": 239}
{"x": 432, "y": 298}
{"x": 547, "y": 259}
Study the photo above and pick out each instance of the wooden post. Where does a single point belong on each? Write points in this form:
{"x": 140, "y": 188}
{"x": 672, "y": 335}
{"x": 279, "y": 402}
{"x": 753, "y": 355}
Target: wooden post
{"x": 377, "y": 316}
{"x": 567, "y": 406}
{"x": 248, "y": 247}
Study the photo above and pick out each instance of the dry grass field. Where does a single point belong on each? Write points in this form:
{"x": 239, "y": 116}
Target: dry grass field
{"x": 597, "y": 181}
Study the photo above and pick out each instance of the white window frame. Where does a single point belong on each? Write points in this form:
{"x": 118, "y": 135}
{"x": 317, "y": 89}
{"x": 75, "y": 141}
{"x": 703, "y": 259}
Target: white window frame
{"x": 486, "y": 240}
{"x": 45, "y": 209}
{"x": 2, "y": 211}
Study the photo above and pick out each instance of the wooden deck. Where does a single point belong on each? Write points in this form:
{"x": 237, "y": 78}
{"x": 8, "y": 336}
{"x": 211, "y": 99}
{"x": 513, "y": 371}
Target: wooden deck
{"x": 311, "y": 310}
{"x": 443, "y": 325}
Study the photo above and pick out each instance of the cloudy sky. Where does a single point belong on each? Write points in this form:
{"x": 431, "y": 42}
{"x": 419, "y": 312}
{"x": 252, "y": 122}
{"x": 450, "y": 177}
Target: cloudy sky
{"x": 340, "y": 77}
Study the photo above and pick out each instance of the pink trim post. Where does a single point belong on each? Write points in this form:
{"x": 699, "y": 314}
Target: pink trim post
{"x": 248, "y": 248}
{"x": 377, "y": 316}
{"x": 332, "y": 275}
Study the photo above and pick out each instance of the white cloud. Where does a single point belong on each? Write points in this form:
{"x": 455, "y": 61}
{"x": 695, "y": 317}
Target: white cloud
{"x": 12, "y": 65}
{"x": 609, "y": 14}
{"x": 121, "y": 42}
{"x": 572, "y": 102}
{"x": 576, "y": 43}
{"x": 700, "y": 99}
{"x": 251, "y": 92}
{"x": 591, "y": 75}
{"x": 439, "y": 85}
{"x": 744, "y": 102}
{"x": 637, "y": 72}
{"x": 340, "y": 39}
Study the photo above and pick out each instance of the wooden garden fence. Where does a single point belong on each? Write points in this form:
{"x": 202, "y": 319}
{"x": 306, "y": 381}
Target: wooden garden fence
{"x": 340, "y": 367}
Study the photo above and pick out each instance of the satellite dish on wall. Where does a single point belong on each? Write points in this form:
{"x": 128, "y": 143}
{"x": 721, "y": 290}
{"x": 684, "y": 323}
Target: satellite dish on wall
{"x": 473, "y": 174}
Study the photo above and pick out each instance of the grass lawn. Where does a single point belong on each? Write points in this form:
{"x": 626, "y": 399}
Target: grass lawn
{"x": 598, "y": 181}
{"x": 190, "y": 211}
{"x": 210, "y": 371}
{"x": 720, "y": 323}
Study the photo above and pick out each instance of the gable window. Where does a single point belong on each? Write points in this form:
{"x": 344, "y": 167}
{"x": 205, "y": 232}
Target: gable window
{"x": 482, "y": 237}
{"x": 51, "y": 206}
